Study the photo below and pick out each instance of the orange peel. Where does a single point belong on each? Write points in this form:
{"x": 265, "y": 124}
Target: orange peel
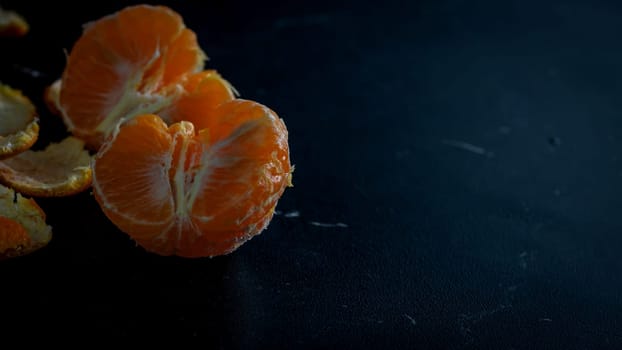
{"x": 12, "y": 24}
{"x": 23, "y": 227}
{"x": 51, "y": 97}
{"x": 61, "y": 169}
{"x": 19, "y": 124}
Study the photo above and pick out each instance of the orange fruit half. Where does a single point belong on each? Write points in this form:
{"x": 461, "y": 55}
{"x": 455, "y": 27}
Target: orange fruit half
{"x": 19, "y": 126}
{"x": 23, "y": 229}
{"x": 131, "y": 62}
{"x": 61, "y": 169}
{"x": 183, "y": 191}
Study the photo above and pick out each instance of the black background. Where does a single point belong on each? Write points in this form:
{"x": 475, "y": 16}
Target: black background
{"x": 513, "y": 244}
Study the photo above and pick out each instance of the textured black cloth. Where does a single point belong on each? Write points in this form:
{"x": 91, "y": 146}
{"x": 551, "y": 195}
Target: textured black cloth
{"x": 457, "y": 184}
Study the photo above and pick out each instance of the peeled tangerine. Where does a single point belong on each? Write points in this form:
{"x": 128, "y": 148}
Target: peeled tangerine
{"x": 132, "y": 62}
{"x": 196, "y": 188}
{"x": 22, "y": 225}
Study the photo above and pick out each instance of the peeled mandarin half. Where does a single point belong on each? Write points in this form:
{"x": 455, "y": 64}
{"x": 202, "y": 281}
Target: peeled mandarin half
{"x": 61, "y": 169}
{"x": 19, "y": 127}
{"x": 195, "y": 193}
{"x": 23, "y": 229}
{"x": 125, "y": 64}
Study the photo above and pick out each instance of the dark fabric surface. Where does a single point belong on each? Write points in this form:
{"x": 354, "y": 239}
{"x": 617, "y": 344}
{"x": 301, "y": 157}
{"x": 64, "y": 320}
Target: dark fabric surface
{"x": 457, "y": 184}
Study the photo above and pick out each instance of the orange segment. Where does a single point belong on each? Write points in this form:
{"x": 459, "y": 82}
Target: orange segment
{"x": 250, "y": 154}
{"x": 22, "y": 225}
{"x": 19, "y": 127}
{"x": 194, "y": 194}
{"x": 126, "y": 64}
{"x": 12, "y": 23}
{"x": 183, "y": 56}
{"x": 61, "y": 169}
{"x": 203, "y": 93}
{"x": 130, "y": 176}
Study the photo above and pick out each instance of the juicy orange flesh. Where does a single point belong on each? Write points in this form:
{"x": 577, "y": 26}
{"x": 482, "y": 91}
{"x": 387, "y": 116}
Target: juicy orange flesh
{"x": 205, "y": 91}
{"x": 124, "y": 65}
{"x": 183, "y": 56}
{"x": 176, "y": 191}
{"x": 133, "y": 175}
{"x": 251, "y": 159}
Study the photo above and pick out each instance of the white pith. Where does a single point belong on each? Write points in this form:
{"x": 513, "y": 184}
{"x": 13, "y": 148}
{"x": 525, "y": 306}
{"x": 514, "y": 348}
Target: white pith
{"x": 179, "y": 181}
{"x": 16, "y": 111}
{"x": 134, "y": 102}
{"x": 16, "y": 207}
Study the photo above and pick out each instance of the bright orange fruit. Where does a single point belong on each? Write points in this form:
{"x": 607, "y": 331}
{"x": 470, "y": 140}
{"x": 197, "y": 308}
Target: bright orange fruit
{"x": 194, "y": 191}
{"x": 204, "y": 92}
{"x": 135, "y": 61}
